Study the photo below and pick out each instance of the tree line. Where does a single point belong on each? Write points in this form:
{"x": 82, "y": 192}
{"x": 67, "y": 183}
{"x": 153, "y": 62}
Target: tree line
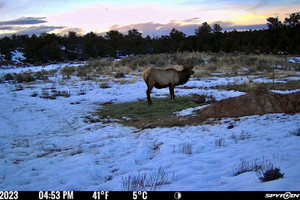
{"x": 283, "y": 37}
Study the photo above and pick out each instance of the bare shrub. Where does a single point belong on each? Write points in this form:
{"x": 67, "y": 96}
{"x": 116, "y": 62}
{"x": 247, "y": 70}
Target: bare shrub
{"x": 68, "y": 71}
{"x": 241, "y": 167}
{"x": 34, "y": 94}
{"x": 24, "y": 77}
{"x": 83, "y": 70}
{"x": 185, "y": 148}
{"x": 242, "y": 136}
{"x": 296, "y": 132}
{"x": 265, "y": 169}
{"x": 104, "y": 85}
{"x": 220, "y": 142}
{"x": 143, "y": 181}
{"x": 55, "y": 93}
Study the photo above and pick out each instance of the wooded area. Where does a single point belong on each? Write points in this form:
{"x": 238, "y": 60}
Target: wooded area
{"x": 280, "y": 37}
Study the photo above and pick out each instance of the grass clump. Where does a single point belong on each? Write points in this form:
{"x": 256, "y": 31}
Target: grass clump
{"x": 296, "y": 132}
{"x": 141, "y": 115}
{"x": 185, "y": 148}
{"x": 271, "y": 174}
{"x": 264, "y": 169}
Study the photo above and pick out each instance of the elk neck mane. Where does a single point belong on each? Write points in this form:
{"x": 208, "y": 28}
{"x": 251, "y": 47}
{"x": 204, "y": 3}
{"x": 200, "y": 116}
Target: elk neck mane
{"x": 183, "y": 76}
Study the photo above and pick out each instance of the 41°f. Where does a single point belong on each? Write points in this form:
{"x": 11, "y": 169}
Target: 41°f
{"x": 97, "y": 195}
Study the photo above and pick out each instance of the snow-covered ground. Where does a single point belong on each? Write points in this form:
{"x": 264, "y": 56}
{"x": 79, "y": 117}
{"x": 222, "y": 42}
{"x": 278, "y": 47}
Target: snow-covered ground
{"x": 52, "y": 145}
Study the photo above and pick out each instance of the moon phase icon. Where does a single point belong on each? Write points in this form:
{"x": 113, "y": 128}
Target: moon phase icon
{"x": 177, "y": 195}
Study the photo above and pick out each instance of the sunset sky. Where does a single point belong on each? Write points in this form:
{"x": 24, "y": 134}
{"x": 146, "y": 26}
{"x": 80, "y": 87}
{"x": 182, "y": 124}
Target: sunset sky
{"x": 152, "y": 18}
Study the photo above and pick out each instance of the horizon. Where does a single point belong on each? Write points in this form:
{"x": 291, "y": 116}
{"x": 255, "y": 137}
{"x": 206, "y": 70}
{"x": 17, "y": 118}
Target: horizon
{"x": 153, "y": 18}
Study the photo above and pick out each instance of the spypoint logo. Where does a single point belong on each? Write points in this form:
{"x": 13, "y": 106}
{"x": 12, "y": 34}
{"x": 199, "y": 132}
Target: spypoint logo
{"x": 287, "y": 195}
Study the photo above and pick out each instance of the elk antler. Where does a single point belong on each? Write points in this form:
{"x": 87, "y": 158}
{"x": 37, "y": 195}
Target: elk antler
{"x": 191, "y": 62}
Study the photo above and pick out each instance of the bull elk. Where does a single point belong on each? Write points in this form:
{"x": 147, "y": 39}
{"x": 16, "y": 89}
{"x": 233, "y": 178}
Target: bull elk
{"x": 162, "y": 78}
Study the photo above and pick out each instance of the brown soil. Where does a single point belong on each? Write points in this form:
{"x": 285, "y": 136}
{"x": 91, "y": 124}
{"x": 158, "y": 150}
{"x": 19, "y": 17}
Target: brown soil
{"x": 258, "y": 101}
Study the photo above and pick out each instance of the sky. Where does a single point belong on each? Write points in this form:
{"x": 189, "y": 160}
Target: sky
{"x": 154, "y": 18}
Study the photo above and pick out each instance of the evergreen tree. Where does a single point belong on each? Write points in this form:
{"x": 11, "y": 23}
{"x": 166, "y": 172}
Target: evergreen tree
{"x": 293, "y": 21}
{"x": 115, "y": 41}
{"x": 217, "y": 28}
{"x": 6, "y": 46}
{"x": 204, "y": 29}
{"x": 177, "y": 40}
{"x": 134, "y": 42}
{"x": 274, "y": 23}
{"x": 90, "y": 47}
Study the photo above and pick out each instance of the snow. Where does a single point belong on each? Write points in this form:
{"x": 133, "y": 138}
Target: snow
{"x": 17, "y": 56}
{"x": 47, "y": 67}
{"x": 293, "y": 59}
{"x": 51, "y": 145}
{"x": 189, "y": 111}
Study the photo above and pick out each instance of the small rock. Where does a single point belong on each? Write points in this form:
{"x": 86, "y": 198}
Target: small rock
{"x": 230, "y": 126}
{"x": 198, "y": 98}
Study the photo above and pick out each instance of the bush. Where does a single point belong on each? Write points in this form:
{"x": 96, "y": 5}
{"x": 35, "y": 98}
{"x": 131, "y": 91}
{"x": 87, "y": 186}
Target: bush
{"x": 8, "y": 77}
{"x": 19, "y": 78}
{"x": 25, "y": 77}
{"x": 119, "y": 75}
{"x": 265, "y": 169}
{"x": 256, "y": 166}
{"x": 46, "y": 94}
{"x": 296, "y": 132}
{"x": 68, "y": 71}
{"x": 41, "y": 75}
{"x": 271, "y": 174}
{"x": 83, "y": 70}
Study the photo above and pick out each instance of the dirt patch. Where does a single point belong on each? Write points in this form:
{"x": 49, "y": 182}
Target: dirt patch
{"x": 258, "y": 101}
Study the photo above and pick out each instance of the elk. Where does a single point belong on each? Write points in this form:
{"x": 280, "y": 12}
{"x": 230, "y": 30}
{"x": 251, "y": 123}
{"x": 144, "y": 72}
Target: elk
{"x": 162, "y": 78}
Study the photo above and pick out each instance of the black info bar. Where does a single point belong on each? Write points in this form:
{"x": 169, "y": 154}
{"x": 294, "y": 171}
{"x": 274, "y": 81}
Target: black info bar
{"x": 143, "y": 195}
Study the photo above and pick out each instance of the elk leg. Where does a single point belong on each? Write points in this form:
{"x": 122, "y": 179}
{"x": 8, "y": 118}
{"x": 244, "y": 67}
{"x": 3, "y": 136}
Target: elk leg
{"x": 148, "y": 95}
{"x": 172, "y": 95}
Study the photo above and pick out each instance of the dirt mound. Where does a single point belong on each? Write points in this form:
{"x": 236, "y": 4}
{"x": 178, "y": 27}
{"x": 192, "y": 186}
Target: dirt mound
{"x": 259, "y": 101}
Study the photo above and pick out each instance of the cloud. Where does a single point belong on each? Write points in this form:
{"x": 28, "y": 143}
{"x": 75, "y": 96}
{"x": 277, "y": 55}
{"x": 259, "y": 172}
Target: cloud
{"x": 187, "y": 26}
{"x": 149, "y": 28}
{"x": 38, "y": 30}
{"x": 24, "y": 21}
{"x": 6, "y": 28}
{"x": 158, "y": 29}
{"x": 257, "y": 5}
{"x": 26, "y": 26}
{"x": 193, "y": 20}
{"x": 229, "y": 26}
{"x": 65, "y": 31}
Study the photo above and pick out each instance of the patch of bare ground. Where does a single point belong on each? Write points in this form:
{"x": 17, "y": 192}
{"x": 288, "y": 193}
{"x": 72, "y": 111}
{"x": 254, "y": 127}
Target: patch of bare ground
{"x": 258, "y": 101}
